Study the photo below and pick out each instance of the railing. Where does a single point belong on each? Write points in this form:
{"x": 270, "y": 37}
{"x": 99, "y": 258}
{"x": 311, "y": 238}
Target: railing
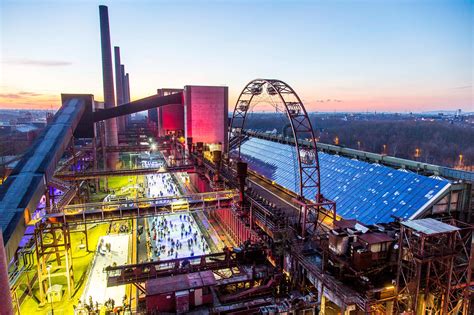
{"x": 121, "y": 172}
{"x": 58, "y": 183}
{"x": 143, "y": 206}
{"x": 133, "y": 273}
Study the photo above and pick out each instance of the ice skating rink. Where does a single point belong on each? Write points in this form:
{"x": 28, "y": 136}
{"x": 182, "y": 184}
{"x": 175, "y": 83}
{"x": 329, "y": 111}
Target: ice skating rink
{"x": 176, "y": 236}
{"x": 97, "y": 281}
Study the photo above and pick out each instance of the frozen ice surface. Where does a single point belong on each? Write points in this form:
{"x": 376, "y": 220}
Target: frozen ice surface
{"x": 97, "y": 280}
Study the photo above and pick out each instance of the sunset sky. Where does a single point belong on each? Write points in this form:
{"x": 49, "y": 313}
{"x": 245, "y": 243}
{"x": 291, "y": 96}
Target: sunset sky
{"x": 338, "y": 55}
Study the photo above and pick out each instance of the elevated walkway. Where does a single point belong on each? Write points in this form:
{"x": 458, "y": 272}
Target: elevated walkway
{"x": 75, "y": 176}
{"x": 23, "y": 189}
{"x": 117, "y": 210}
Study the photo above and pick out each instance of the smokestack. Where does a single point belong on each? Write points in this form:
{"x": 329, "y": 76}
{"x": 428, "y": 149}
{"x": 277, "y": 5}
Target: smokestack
{"x": 108, "y": 80}
{"x": 127, "y": 87}
{"x": 126, "y": 91}
{"x": 119, "y": 87}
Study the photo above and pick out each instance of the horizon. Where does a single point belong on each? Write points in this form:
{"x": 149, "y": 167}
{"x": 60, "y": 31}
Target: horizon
{"x": 348, "y": 56}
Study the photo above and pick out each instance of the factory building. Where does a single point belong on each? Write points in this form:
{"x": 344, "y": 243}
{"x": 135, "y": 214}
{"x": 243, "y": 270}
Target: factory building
{"x": 206, "y": 112}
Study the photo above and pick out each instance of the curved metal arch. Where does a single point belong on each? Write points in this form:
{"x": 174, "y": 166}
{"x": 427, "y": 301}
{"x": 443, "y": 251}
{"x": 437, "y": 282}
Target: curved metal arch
{"x": 308, "y": 161}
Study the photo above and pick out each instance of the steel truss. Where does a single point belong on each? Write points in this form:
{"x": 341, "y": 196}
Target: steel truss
{"x": 307, "y": 155}
{"x": 434, "y": 270}
{"x": 53, "y": 239}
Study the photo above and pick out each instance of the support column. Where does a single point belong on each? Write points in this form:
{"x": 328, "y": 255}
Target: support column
{"x": 322, "y": 306}
{"x": 7, "y": 306}
{"x": 389, "y": 308}
{"x": 47, "y": 201}
{"x": 86, "y": 236}
{"x": 104, "y": 155}
{"x": 94, "y": 148}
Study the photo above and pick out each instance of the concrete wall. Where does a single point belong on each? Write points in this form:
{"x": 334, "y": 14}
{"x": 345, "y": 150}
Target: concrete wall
{"x": 206, "y": 111}
{"x": 170, "y": 117}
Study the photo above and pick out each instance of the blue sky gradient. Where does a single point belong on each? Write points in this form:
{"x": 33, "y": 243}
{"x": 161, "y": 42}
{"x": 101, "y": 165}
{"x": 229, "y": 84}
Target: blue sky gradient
{"x": 370, "y": 55}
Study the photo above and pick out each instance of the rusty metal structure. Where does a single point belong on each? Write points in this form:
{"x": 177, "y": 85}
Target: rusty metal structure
{"x": 53, "y": 240}
{"x": 435, "y": 266}
{"x": 312, "y": 214}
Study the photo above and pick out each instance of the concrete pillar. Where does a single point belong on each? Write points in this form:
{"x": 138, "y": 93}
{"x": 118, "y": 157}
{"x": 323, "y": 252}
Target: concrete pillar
{"x": 108, "y": 82}
{"x": 119, "y": 87}
{"x": 7, "y": 306}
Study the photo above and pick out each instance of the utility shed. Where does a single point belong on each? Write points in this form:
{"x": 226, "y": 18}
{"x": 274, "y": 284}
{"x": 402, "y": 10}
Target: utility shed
{"x": 430, "y": 226}
{"x": 377, "y": 243}
{"x": 179, "y": 293}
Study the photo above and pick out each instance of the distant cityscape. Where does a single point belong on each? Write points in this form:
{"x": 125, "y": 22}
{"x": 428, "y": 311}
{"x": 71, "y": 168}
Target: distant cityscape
{"x": 19, "y": 128}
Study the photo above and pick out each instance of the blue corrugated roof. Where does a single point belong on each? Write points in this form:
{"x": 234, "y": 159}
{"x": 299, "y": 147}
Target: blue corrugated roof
{"x": 370, "y": 193}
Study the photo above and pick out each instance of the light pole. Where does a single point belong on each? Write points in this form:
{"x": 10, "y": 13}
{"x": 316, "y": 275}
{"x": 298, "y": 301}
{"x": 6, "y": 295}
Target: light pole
{"x": 49, "y": 280}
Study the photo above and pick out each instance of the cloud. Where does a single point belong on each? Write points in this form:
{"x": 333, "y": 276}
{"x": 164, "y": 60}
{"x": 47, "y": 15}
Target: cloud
{"x": 25, "y": 100}
{"x": 329, "y": 101}
{"x": 463, "y": 87}
{"x": 20, "y": 95}
{"x": 29, "y": 93}
{"x": 10, "y": 96}
{"x": 39, "y": 63}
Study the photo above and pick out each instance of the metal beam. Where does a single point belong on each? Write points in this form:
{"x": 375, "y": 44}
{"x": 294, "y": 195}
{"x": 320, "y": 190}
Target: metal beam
{"x": 75, "y": 176}
{"x": 143, "y": 207}
{"x": 138, "y": 106}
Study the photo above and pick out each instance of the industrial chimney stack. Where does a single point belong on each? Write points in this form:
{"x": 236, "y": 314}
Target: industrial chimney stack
{"x": 108, "y": 80}
{"x": 119, "y": 87}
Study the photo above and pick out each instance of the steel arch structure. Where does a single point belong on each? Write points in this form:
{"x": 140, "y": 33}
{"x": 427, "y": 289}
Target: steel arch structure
{"x": 308, "y": 162}
{"x": 314, "y": 217}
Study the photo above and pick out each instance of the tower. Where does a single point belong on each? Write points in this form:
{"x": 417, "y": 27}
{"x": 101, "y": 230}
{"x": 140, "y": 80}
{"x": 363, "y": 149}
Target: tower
{"x": 111, "y": 136}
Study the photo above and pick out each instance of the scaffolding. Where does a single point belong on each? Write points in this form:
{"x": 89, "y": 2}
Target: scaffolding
{"x": 434, "y": 267}
{"x": 53, "y": 239}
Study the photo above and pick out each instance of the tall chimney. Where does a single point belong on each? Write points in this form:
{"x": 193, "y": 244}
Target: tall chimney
{"x": 119, "y": 86}
{"x": 127, "y": 94}
{"x": 108, "y": 80}
{"x": 127, "y": 87}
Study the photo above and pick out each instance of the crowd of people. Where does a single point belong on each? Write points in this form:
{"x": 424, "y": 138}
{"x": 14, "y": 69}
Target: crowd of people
{"x": 91, "y": 307}
{"x": 159, "y": 185}
{"x": 152, "y": 163}
{"x": 167, "y": 236}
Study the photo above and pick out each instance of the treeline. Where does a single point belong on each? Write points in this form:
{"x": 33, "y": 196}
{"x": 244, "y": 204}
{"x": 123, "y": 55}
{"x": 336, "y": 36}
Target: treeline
{"x": 436, "y": 142}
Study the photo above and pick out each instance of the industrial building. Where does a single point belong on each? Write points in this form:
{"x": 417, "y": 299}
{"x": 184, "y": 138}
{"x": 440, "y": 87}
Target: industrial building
{"x": 192, "y": 212}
